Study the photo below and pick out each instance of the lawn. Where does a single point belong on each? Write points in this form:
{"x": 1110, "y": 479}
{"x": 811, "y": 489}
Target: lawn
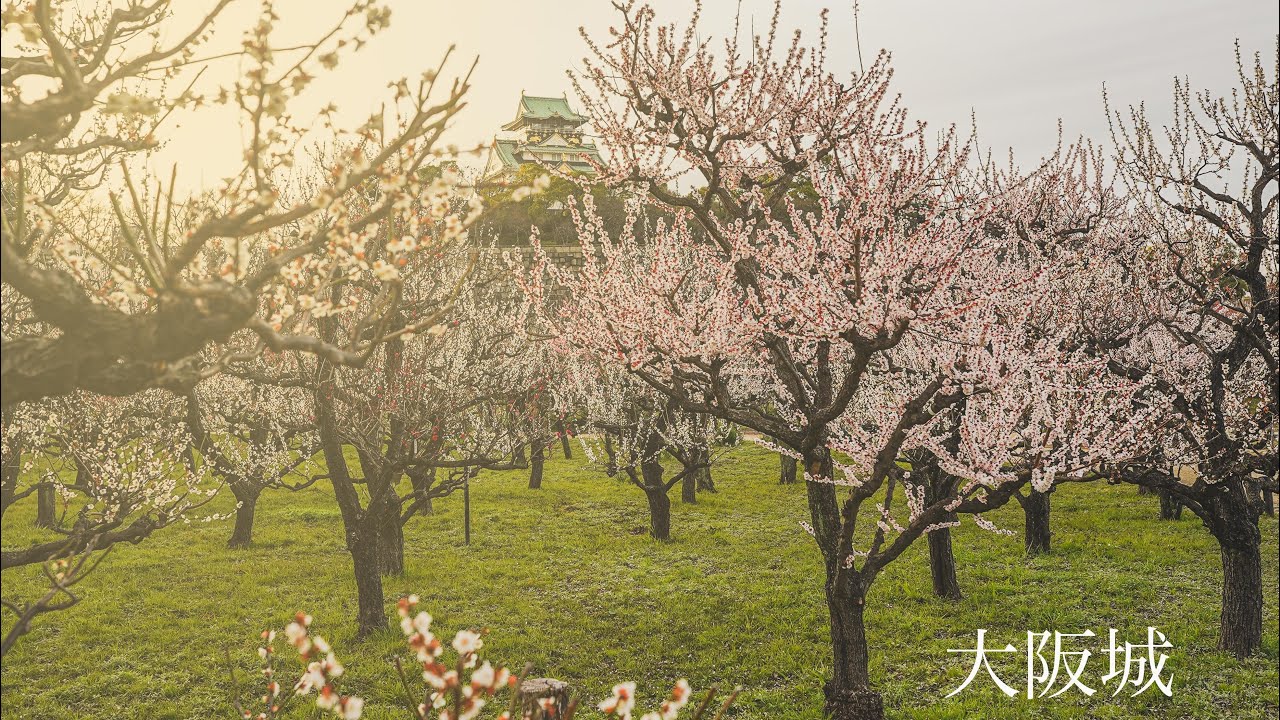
{"x": 567, "y": 578}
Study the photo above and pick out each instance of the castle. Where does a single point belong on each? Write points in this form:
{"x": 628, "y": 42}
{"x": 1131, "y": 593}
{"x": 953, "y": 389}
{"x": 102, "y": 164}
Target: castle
{"x": 545, "y": 130}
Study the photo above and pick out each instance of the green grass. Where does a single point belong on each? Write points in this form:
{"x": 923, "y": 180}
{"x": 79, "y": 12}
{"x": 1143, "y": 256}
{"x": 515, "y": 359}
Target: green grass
{"x": 568, "y": 579}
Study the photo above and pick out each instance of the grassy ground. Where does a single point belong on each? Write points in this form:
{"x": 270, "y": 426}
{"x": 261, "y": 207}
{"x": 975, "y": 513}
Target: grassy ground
{"x": 567, "y": 578}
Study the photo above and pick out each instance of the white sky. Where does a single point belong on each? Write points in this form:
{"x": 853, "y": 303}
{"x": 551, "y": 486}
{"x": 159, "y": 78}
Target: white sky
{"x": 1020, "y": 65}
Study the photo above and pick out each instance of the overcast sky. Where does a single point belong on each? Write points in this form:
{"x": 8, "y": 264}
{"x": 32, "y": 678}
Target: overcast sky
{"x": 1020, "y": 65}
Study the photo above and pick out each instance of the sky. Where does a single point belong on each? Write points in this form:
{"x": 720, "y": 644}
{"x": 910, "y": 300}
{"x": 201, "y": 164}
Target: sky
{"x": 1019, "y": 66}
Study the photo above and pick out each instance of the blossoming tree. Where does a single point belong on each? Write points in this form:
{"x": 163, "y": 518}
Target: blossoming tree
{"x": 253, "y": 436}
{"x": 118, "y": 469}
{"x": 445, "y": 393}
{"x": 888, "y": 305}
{"x": 642, "y": 426}
{"x": 1200, "y": 318}
{"x": 118, "y": 466}
{"x": 1070, "y": 212}
{"x": 131, "y": 299}
{"x": 443, "y": 407}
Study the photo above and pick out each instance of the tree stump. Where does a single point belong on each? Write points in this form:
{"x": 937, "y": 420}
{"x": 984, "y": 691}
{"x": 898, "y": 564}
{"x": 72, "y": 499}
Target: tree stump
{"x": 533, "y": 690}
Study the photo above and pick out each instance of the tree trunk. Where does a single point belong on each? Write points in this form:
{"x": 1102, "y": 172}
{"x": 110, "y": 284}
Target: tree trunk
{"x": 655, "y": 489}
{"x": 422, "y": 480}
{"x": 537, "y": 457}
{"x": 359, "y": 529}
{"x": 787, "y": 473}
{"x": 611, "y": 455}
{"x": 703, "y": 455}
{"x": 46, "y": 506}
{"x": 1144, "y": 490}
{"x": 942, "y": 565}
{"x": 247, "y": 497}
{"x": 391, "y": 548}
{"x": 565, "y": 447}
{"x": 942, "y": 562}
{"x": 705, "y": 483}
{"x": 384, "y": 515}
{"x": 1241, "y": 626}
{"x": 1234, "y": 523}
{"x": 659, "y": 513}
{"x": 363, "y": 546}
{"x": 1035, "y": 508}
{"x": 1170, "y": 506}
{"x": 848, "y": 693}
{"x": 1268, "y": 502}
{"x": 689, "y": 487}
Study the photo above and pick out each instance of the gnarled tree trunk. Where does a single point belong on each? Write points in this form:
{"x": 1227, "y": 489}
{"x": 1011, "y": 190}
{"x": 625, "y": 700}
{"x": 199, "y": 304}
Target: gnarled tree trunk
{"x": 942, "y": 561}
{"x": 1035, "y": 508}
{"x": 700, "y": 456}
{"x": 655, "y": 490}
{"x": 565, "y": 445}
{"x": 942, "y": 565}
{"x": 706, "y": 483}
{"x": 359, "y": 526}
{"x": 46, "y": 506}
{"x": 537, "y": 458}
{"x": 848, "y": 693}
{"x": 1233, "y": 520}
{"x": 422, "y": 480}
{"x": 391, "y": 549}
{"x": 385, "y": 514}
{"x": 659, "y": 513}
{"x": 689, "y": 488}
{"x": 246, "y": 495}
{"x": 787, "y": 470}
{"x": 362, "y": 543}
{"x": 1170, "y": 506}
{"x": 611, "y": 455}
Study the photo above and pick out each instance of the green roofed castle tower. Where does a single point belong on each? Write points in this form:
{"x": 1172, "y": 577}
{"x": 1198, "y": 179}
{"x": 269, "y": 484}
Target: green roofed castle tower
{"x": 544, "y": 130}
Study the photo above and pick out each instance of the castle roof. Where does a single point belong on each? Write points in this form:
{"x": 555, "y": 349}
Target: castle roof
{"x": 534, "y": 108}
{"x": 506, "y": 150}
{"x": 576, "y": 156}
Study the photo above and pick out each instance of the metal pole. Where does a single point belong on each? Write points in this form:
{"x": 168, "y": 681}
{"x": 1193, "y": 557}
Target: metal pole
{"x": 466, "y": 508}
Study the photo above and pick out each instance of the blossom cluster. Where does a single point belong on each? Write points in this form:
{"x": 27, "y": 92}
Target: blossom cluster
{"x": 623, "y": 700}
{"x": 458, "y": 690}
{"x": 446, "y": 683}
{"x": 321, "y": 672}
